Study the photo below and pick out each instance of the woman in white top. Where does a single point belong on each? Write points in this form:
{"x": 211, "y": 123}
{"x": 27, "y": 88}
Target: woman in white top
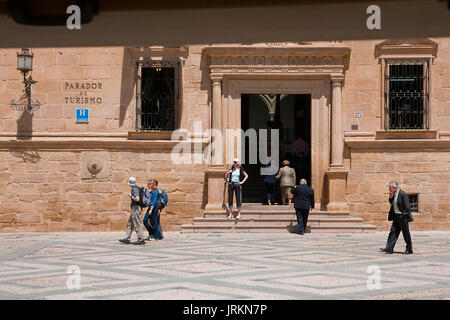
{"x": 236, "y": 176}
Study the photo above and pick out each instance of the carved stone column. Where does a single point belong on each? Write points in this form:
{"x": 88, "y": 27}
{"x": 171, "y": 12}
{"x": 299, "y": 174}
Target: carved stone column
{"x": 336, "y": 176}
{"x": 216, "y": 172}
{"x": 216, "y": 114}
{"x": 336, "y": 122}
{"x": 216, "y": 111}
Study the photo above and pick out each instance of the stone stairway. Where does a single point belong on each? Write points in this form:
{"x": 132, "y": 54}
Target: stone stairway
{"x": 276, "y": 218}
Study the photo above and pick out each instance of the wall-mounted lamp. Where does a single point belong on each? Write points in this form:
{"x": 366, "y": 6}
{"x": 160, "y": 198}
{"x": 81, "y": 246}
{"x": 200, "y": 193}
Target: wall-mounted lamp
{"x": 25, "y": 61}
{"x": 25, "y": 65}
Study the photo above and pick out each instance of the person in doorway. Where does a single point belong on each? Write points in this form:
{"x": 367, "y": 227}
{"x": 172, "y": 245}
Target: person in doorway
{"x": 287, "y": 182}
{"x": 304, "y": 200}
{"x": 134, "y": 222}
{"x": 270, "y": 183}
{"x": 236, "y": 176}
{"x": 400, "y": 215}
{"x": 301, "y": 151}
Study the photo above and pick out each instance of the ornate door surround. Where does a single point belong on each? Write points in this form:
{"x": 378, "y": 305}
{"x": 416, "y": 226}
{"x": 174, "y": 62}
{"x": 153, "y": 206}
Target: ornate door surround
{"x": 318, "y": 71}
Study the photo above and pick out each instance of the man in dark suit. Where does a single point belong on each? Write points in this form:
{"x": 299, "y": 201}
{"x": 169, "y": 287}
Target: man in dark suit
{"x": 304, "y": 200}
{"x": 400, "y": 215}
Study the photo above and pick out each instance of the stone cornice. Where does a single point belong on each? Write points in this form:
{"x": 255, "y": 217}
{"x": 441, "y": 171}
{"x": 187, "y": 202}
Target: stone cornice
{"x": 269, "y": 60}
{"x": 399, "y": 145}
{"x": 301, "y": 50}
{"x": 149, "y": 135}
{"x": 394, "y": 135}
{"x": 159, "y": 55}
{"x": 119, "y": 145}
{"x": 405, "y": 134}
{"x": 70, "y": 135}
{"x": 419, "y": 47}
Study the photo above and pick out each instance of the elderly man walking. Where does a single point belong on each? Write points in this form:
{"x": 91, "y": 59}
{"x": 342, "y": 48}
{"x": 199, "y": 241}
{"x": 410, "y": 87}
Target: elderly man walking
{"x": 400, "y": 215}
{"x": 134, "y": 222}
{"x": 304, "y": 200}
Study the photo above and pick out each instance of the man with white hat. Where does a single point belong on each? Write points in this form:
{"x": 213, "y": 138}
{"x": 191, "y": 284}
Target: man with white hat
{"x": 134, "y": 222}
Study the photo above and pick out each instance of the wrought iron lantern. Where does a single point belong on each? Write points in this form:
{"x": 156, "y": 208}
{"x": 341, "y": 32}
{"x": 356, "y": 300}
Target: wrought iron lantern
{"x": 25, "y": 65}
{"x": 25, "y": 61}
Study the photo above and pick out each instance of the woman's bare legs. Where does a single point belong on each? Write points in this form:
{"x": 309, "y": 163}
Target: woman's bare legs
{"x": 230, "y": 213}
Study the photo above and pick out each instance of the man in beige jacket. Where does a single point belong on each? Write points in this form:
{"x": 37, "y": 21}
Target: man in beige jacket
{"x": 287, "y": 182}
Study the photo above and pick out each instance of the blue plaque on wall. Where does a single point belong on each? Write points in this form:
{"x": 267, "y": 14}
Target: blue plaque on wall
{"x": 82, "y": 115}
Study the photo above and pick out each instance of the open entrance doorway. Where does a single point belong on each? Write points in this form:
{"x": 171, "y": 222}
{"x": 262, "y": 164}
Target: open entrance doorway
{"x": 291, "y": 114}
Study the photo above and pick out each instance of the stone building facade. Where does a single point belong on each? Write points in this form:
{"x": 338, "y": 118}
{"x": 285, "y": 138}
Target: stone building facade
{"x": 362, "y": 129}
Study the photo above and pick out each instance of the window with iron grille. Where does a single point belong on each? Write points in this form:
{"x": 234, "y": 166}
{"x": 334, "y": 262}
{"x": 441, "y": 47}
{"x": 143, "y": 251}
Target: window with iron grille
{"x": 406, "y": 95}
{"x": 414, "y": 202}
{"x": 157, "y": 103}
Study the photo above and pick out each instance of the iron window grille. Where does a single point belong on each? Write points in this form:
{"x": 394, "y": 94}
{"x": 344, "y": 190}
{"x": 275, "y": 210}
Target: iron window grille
{"x": 157, "y": 96}
{"x": 406, "y": 94}
{"x": 414, "y": 202}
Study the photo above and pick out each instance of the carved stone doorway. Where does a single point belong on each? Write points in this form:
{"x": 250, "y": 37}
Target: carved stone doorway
{"x": 290, "y": 114}
{"x": 317, "y": 89}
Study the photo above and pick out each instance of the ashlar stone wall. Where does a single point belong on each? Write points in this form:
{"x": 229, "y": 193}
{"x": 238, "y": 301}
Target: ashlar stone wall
{"x": 50, "y": 194}
{"x": 424, "y": 173}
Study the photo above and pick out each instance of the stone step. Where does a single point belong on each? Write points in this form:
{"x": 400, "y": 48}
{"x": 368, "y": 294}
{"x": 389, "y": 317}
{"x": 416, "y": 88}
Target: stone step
{"x": 277, "y": 210}
{"x": 273, "y": 208}
{"x": 278, "y": 224}
{"x": 221, "y": 229}
{"x": 255, "y": 204}
{"x": 191, "y": 228}
{"x": 278, "y": 220}
{"x": 274, "y": 213}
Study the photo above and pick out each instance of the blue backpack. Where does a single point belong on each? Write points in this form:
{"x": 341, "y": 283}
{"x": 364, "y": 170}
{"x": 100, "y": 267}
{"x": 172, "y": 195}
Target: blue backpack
{"x": 162, "y": 198}
{"x": 144, "y": 194}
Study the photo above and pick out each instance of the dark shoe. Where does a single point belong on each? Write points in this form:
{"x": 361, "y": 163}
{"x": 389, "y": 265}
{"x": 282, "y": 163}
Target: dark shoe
{"x": 383, "y": 249}
{"x": 301, "y": 233}
{"x": 139, "y": 242}
{"x": 407, "y": 252}
{"x": 389, "y": 251}
{"x": 149, "y": 238}
{"x": 126, "y": 241}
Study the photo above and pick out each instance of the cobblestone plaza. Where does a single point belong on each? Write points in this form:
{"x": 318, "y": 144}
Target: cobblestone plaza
{"x": 238, "y": 266}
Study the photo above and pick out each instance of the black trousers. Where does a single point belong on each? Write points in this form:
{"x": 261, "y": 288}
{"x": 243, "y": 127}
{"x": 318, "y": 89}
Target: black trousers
{"x": 400, "y": 224}
{"x": 234, "y": 187}
{"x": 270, "y": 192}
{"x": 302, "y": 218}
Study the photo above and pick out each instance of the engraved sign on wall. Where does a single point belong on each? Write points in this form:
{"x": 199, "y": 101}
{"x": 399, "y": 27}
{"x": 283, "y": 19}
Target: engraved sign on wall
{"x": 83, "y": 92}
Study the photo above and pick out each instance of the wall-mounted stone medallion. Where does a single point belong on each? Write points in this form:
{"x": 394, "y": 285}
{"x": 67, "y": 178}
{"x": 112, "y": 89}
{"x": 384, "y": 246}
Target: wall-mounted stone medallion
{"x": 94, "y": 165}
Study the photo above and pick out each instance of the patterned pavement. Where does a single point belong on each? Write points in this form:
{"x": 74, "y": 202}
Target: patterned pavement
{"x": 234, "y": 266}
